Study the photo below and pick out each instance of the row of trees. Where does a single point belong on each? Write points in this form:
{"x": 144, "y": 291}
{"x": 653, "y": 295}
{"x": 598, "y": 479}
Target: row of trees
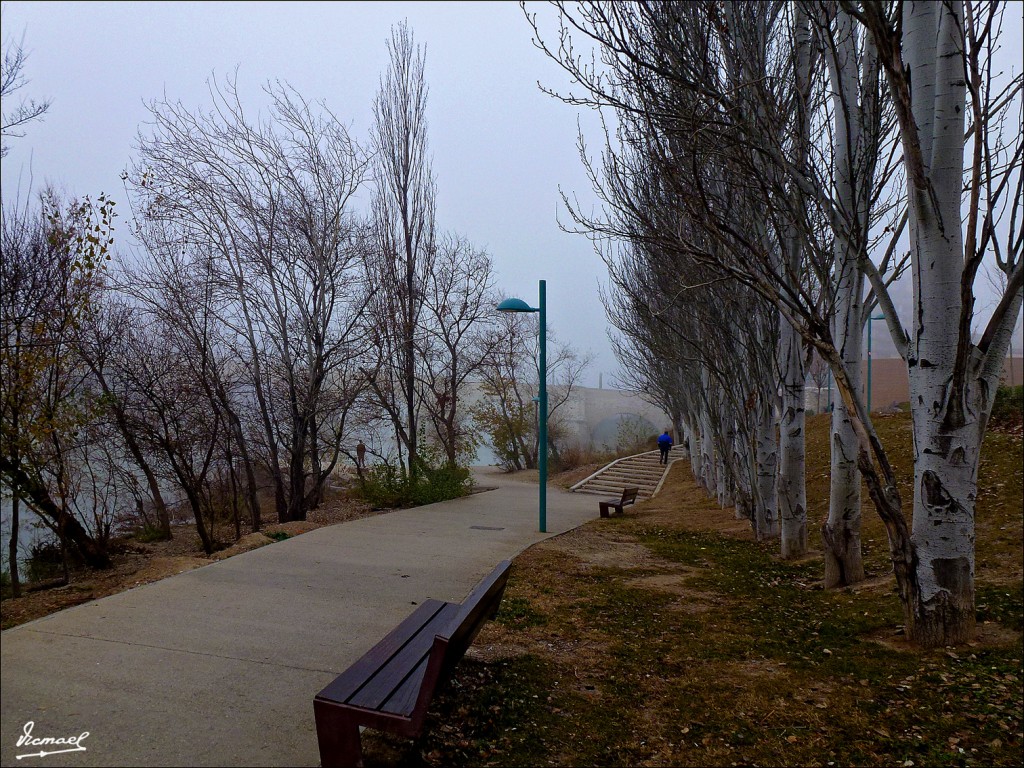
{"x": 762, "y": 165}
{"x": 270, "y": 318}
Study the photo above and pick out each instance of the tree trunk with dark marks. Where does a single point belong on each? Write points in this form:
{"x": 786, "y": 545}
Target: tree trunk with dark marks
{"x": 952, "y": 379}
{"x": 792, "y": 455}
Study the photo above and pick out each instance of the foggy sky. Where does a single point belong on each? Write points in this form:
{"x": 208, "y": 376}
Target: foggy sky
{"x": 501, "y": 148}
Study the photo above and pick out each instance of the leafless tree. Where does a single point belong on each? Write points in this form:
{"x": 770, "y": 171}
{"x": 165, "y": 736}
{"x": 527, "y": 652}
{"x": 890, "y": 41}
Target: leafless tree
{"x": 404, "y": 233}
{"x": 12, "y": 80}
{"x": 458, "y": 316}
{"x": 506, "y": 414}
{"x": 734, "y": 134}
{"x": 101, "y": 345}
{"x": 265, "y": 207}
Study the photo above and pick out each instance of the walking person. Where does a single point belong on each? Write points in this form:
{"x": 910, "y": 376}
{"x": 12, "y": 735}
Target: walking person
{"x": 361, "y": 455}
{"x": 664, "y": 445}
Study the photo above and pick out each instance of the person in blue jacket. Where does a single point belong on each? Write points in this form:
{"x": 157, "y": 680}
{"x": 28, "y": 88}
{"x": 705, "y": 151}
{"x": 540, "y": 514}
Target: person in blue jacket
{"x": 664, "y": 444}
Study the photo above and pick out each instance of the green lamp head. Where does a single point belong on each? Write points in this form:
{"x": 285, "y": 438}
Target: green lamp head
{"x": 515, "y": 305}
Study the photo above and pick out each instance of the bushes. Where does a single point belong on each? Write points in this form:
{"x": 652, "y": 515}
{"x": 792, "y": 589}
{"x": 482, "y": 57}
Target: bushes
{"x": 386, "y": 486}
{"x": 574, "y": 456}
{"x": 1008, "y": 408}
{"x": 46, "y": 560}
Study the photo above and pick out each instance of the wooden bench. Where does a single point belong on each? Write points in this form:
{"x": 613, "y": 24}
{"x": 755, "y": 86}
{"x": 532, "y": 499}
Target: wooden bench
{"x": 392, "y": 685}
{"x": 628, "y": 497}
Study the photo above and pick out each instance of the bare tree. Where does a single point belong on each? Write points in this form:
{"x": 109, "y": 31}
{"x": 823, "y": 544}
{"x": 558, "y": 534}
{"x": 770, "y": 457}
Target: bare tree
{"x": 458, "y": 313}
{"x": 405, "y": 248}
{"x": 101, "y": 345}
{"x": 667, "y": 70}
{"x": 265, "y": 207}
{"x": 948, "y": 48}
{"x": 12, "y": 80}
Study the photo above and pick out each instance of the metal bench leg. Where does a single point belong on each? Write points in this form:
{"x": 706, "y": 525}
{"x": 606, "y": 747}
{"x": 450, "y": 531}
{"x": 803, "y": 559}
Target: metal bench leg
{"x": 604, "y": 508}
{"x": 338, "y": 738}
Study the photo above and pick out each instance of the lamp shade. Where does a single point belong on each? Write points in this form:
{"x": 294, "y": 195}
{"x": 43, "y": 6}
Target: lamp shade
{"x": 515, "y": 305}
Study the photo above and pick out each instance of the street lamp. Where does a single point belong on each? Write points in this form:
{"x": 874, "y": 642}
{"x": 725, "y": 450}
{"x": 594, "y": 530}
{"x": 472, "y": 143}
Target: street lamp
{"x": 870, "y": 318}
{"x": 518, "y": 305}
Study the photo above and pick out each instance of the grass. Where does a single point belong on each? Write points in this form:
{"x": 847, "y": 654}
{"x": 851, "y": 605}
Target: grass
{"x": 671, "y": 637}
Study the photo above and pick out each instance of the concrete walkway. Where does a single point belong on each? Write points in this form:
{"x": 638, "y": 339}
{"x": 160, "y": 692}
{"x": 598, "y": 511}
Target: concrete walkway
{"x": 219, "y": 665}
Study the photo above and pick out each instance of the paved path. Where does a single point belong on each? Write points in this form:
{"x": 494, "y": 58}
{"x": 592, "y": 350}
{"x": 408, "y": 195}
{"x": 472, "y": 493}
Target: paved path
{"x": 219, "y": 665}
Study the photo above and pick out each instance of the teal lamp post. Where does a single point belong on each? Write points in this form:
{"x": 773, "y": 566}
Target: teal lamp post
{"x": 870, "y": 318}
{"x": 518, "y": 305}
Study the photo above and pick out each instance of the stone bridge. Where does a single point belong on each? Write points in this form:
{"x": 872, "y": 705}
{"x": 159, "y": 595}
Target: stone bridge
{"x": 593, "y": 417}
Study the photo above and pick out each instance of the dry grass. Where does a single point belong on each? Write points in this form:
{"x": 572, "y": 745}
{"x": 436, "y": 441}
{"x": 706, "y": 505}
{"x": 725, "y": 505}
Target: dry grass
{"x": 671, "y": 637}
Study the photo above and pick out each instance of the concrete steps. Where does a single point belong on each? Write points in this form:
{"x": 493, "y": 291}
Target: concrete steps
{"x": 643, "y": 471}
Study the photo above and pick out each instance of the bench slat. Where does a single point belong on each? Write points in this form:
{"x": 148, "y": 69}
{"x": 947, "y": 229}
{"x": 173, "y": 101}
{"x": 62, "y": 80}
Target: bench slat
{"x": 479, "y": 605}
{"x": 348, "y": 682}
{"x": 404, "y": 663}
{"x": 403, "y": 701}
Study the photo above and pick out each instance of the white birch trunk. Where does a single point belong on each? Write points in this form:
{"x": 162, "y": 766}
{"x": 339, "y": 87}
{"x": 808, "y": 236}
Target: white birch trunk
{"x": 792, "y": 485}
{"x": 952, "y": 381}
{"x": 840, "y": 532}
{"x": 947, "y": 433}
{"x": 696, "y": 454}
{"x": 841, "y": 536}
{"x": 766, "y": 510}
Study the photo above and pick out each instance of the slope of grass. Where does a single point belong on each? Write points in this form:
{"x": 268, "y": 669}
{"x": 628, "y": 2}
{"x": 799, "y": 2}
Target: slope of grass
{"x": 671, "y": 637}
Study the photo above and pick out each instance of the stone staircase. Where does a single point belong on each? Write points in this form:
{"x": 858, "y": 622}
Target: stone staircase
{"x": 641, "y": 471}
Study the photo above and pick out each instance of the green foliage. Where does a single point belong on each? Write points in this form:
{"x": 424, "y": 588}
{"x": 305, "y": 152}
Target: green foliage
{"x": 1008, "y": 408}
{"x": 149, "y": 533}
{"x": 278, "y": 535}
{"x": 45, "y": 561}
{"x": 386, "y": 486}
{"x": 508, "y": 425}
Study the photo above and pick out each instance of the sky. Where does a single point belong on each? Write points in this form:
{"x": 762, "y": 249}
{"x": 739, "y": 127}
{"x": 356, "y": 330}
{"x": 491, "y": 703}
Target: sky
{"x": 502, "y": 149}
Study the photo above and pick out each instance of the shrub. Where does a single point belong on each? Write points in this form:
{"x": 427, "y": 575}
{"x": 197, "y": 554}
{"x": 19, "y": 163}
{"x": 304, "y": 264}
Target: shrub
{"x": 574, "y": 456}
{"x": 149, "y": 533}
{"x": 45, "y": 560}
{"x": 386, "y": 486}
{"x": 1008, "y": 408}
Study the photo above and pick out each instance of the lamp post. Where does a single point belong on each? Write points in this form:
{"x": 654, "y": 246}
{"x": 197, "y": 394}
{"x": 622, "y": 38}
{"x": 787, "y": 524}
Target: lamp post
{"x": 870, "y": 318}
{"x": 518, "y": 305}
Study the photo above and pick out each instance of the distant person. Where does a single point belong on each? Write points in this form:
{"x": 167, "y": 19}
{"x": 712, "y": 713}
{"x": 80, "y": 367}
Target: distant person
{"x": 664, "y": 445}
{"x": 361, "y": 455}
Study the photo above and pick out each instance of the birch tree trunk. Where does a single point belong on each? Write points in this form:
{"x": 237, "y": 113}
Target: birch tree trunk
{"x": 947, "y": 432}
{"x": 792, "y": 471}
{"x": 952, "y": 380}
{"x": 840, "y": 532}
{"x": 766, "y": 521}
